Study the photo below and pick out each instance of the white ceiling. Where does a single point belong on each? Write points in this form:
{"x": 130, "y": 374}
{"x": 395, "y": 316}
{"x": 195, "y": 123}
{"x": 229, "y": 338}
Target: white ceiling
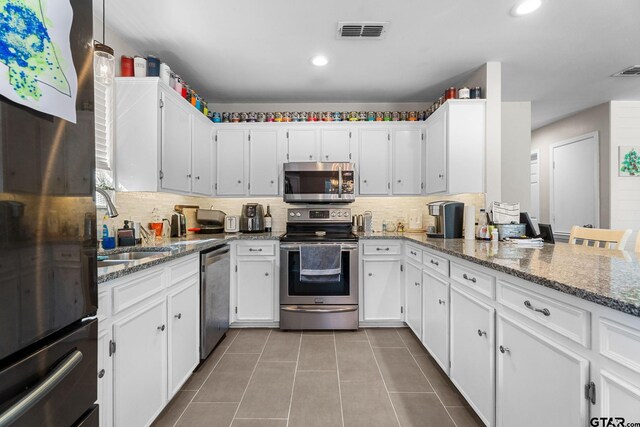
{"x": 560, "y": 58}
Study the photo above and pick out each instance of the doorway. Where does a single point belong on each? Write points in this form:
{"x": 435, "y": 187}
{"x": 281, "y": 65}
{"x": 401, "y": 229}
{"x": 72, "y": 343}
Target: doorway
{"x": 574, "y": 193}
{"x": 535, "y": 185}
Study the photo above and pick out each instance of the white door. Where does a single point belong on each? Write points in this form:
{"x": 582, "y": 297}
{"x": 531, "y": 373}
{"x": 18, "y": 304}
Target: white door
{"x": 436, "y": 152}
{"x": 407, "y": 161}
{"x": 335, "y": 145}
{"x": 535, "y": 186}
{"x": 255, "y": 290}
{"x": 374, "y": 161}
{"x": 472, "y": 333}
{"x": 140, "y": 366}
{"x": 302, "y": 145}
{"x": 382, "y": 290}
{"x": 230, "y": 163}
{"x": 105, "y": 378}
{"x": 263, "y": 163}
{"x": 538, "y": 382}
{"x": 176, "y": 145}
{"x": 435, "y": 330}
{"x": 183, "y": 314}
{"x": 413, "y": 297}
{"x": 574, "y": 183}
{"x": 202, "y": 158}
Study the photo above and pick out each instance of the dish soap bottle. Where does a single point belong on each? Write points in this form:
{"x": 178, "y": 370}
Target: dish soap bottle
{"x": 267, "y": 220}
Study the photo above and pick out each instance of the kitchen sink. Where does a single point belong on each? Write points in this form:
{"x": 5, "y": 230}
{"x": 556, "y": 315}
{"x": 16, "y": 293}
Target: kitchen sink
{"x": 133, "y": 256}
{"x": 112, "y": 262}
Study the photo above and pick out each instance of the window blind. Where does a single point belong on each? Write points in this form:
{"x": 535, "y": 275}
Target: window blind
{"x": 103, "y": 102}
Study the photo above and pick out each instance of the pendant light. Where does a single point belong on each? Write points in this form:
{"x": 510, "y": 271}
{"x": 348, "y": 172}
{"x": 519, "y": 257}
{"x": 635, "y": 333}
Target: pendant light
{"x": 104, "y": 67}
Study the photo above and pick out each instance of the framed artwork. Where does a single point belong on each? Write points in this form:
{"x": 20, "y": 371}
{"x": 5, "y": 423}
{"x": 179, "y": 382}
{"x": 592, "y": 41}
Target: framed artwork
{"x": 629, "y": 161}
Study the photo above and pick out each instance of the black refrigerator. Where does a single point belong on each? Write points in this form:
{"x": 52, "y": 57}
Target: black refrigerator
{"x": 48, "y": 276}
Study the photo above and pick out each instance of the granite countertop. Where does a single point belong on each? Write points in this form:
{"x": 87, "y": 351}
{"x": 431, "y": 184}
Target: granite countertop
{"x": 603, "y": 276}
{"x": 169, "y": 249}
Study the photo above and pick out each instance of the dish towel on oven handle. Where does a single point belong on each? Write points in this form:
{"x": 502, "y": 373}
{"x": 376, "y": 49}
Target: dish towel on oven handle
{"x": 505, "y": 213}
{"x": 320, "y": 263}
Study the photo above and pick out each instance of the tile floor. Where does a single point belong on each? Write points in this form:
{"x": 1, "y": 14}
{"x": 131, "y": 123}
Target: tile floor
{"x": 270, "y": 378}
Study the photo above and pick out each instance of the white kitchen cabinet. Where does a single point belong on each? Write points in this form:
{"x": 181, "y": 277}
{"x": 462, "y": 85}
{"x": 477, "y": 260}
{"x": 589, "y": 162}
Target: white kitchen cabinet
{"x": 105, "y": 377}
{"x": 255, "y": 290}
{"x": 374, "y": 161}
{"x": 617, "y": 396}
{"x": 176, "y": 144}
{"x": 455, "y": 141}
{"x": 230, "y": 162}
{"x": 382, "y": 283}
{"x": 472, "y": 351}
{"x": 335, "y": 145}
{"x": 264, "y": 168}
{"x": 302, "y": 145}
{"x": 202, "y": 157}
{"x": 435, "y": 327}
{"x": 407, "y": 161}
{"x": 538, "y": 381}
{"x": 140, "y": 365}
{"x": 413, "y": 296}
{"x": 183, "y": 317}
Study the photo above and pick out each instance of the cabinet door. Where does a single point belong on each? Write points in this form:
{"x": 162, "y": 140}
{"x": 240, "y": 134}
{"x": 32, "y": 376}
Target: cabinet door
{"x": 472, "y": 333}
{"x": 78, "y": 154}
{"x": 407, "y": 161}
{"x": 230, "y": 163}
{"x": 617, "y": 397}
{"x": 184, "y": 334}
{"x": 105, "y": 378}
{"x": 335, "y": 145}
{"x": 436, "y": 151}
{"x": 175, "y": 134}
{"x": 382, "y": 289}
{"x": 263, "y": 163}
{"x": 413, "y": 296}
{"x": 202, "y": 158}
{"x": 435, "y": 330}
{"x": 302, "y": 145}
{"x": 256, "y": 290}
{"x": 140, "y": 366}
{"x": 374, "y": 161}
{"x": 538, "y": 381}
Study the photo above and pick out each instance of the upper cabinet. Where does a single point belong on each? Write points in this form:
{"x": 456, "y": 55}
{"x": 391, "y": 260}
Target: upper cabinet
{"x": 302, "y": 145}
{"x": 230, "y": 150}
{"x": 455, "y": 141}
{"x": 374, "y": 161}
{"x": 264, "y": 169}
{"x": 407, "y": 161}
{"x": 175, "y": 137}
{"x": 313, "y": 144}
{"x": 335, "y": 145}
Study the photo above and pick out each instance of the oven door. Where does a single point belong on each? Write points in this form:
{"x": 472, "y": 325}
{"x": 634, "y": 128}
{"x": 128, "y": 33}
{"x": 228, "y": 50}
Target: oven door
{"x": 293, "y": 291}
{"x": 306, "y": 182}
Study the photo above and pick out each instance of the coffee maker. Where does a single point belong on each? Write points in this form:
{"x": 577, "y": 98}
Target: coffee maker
{"x": 252, "y": 218}
{"x": 449, "y": 216}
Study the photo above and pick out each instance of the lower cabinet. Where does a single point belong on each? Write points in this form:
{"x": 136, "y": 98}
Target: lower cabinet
{"x": 413, "y": 296}
{"x": 183, "y": 309}
{"x": 473, "y": 352}
{"x": 105, "y": 378}
{"x": 538, "y": 381}
{"x": 435, "y": 326}
{"x": 382, "y": 282}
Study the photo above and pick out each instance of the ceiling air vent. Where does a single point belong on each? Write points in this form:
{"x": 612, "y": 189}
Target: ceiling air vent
{"x": 634, "y": 70}
{"x": 362, "y": 30}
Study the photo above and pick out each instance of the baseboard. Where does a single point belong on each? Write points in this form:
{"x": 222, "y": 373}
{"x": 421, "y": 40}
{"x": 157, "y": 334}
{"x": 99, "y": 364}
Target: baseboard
{"x": 382, "y": 324}
{"x": 242, "y": 325}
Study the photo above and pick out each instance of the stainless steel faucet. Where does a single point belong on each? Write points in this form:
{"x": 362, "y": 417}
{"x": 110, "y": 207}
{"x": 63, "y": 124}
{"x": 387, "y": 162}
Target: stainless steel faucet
{"x": 112, "y": 212}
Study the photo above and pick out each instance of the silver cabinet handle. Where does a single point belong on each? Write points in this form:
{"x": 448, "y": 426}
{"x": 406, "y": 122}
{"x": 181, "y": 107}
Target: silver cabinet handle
{"x": 197, "y": 177}
{"x": 255, "y": 250}
{"x": 272, "y": 181}
{"x": 310, "y": 157}
{"x": 382, "y": 249}
{"x": 436, "y": 263}
{"x": 471, "y": 279}
{"x": 440, "y": 301}
{"x": 544, "y": 311}
{"x": 189, "y": 176}
{"x": 161, "y": 328}
{"x": 417, "y": 284}
{"x": 101, "y": 373}
{"x": 370, "y": 274}
{"x": 266, "y": 274}
{"x": 481, "y": 333}
{"x": 326, "y": 156}
{"x": 399, "y": 181}
{"x": 41, "y": 390}
{"x": 440, "y": 175}
{"x": 504, "y": 350}
{"x": 178, "y": 316}
{"x": 365, "y": 181}
{"x": 413, "y": 253}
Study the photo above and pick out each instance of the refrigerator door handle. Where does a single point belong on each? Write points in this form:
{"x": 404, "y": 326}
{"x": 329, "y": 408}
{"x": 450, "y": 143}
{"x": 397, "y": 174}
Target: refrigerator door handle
{"x": 54, "y": 378}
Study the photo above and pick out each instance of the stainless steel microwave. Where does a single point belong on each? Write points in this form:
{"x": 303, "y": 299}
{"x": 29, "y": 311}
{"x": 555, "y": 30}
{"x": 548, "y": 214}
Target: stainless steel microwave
{"x": 309, "y": 182}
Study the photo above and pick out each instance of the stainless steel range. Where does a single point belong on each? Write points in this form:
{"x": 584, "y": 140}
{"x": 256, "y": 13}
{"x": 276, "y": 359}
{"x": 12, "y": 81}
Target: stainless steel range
{"x": 322, "y": 301}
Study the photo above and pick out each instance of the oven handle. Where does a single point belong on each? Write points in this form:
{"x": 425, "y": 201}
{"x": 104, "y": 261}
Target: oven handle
{"x": 344, "y": 246}
{"x": 320, "y": 310}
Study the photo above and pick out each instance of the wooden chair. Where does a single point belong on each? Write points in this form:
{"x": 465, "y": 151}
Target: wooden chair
{"x": 610, "y": 239}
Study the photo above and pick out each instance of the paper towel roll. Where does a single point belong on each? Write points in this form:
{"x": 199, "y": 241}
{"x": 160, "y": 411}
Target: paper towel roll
{"x": 469, "y": 222}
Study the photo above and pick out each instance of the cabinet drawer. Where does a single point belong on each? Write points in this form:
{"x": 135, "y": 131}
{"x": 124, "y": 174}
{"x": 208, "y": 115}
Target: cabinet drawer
{"x": 256, "y": 248}
{"x": 66, "y": 253}
{"x": 137, "y": 290}
{"x": 383, "y": 248}
{"x": 567, "y": 320}
{"x": 620, "y": 343}
{"x": 475, "y": 280}
{"x": 183, "y": 268}
{"x": 436, "y": 263}
{"x": 413, "y": 253}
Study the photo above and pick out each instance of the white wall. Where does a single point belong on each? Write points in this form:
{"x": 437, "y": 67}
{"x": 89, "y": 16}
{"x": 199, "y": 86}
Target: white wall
{"x": 516, "y": 153}
{"x": 113, "y": 40}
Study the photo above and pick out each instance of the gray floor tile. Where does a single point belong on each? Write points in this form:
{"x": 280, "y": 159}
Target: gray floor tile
{"x": 464, "y": 416}
{"x": 229, "y": 379}
{"x": 411, "y": 341}
{"x": 258, "y": 423}
{"x": 281, "y": 347}
{"x": 196, "y": 380}
{"x": 440, "y": 382}
{"x": 314, "y": 332}
{"x": 249, "y": 341}
{"x": 356, "y": 361}
{"x": 208, "y": 415}
{"x": 174, "y": 409}
{"x": 384, "y": 337}
{"x": 318, "y": 352}
{"x": 316, "y": 400}
{"x": 420, "y": 409}
{"x": 367, "y": 404}
{"x": 269, "y": 391}
{"x": 400, "y": 371}
{"x": 359, "y": 335}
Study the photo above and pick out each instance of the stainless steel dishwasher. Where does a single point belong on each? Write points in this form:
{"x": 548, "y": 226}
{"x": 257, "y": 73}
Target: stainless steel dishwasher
{"x": 214, "y": 297}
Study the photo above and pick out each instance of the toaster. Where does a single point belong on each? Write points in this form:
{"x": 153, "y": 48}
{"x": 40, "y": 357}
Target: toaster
{"x": 232, "y": 223}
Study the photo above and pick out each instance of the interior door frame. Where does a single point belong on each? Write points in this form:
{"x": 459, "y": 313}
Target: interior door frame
{"x": 535, "y": 151}
{"x": 576, "y": 139}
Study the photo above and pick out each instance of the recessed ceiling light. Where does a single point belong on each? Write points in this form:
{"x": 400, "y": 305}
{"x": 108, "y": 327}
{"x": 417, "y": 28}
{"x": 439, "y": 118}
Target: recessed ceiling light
{"x": 525, "y": 7}
{"x": 319, "y": 61}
